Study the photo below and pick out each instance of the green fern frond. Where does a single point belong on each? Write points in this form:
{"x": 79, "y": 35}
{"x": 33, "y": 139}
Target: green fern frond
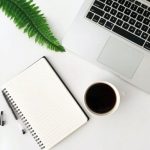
{"x": 27, "y": 16}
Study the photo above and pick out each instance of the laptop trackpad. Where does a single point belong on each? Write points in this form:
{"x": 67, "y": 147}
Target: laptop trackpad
{"x": 120, "y": 57}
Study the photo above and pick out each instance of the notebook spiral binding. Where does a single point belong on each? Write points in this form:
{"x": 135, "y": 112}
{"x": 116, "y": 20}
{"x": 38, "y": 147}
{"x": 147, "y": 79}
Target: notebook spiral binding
{"x": 14, "y": 106}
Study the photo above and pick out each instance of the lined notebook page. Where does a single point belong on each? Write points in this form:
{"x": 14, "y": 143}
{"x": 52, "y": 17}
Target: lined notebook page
{"x": 46, "y": 103}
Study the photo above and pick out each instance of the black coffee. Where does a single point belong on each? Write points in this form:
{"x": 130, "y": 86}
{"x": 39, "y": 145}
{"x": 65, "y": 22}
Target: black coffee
{"x": 100, "y": 98}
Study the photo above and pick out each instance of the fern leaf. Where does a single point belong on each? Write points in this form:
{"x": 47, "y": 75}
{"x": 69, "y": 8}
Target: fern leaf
{"x": 27, "y": 16}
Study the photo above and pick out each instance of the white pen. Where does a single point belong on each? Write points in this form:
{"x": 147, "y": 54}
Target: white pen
{"x": 21, "y": 125}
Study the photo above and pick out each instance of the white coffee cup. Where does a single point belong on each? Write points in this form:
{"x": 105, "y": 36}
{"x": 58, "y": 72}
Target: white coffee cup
{"x": 102, "y": 98}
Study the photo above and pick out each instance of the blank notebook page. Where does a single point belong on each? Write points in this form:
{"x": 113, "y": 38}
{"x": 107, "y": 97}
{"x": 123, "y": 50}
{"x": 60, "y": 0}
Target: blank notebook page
{"x": 46, "y": 103}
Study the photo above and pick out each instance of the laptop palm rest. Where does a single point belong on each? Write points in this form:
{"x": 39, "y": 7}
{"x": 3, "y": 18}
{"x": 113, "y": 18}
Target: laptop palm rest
{"x": 120, "y": 57}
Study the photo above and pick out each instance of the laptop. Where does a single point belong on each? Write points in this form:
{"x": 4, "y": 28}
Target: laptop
{"x": 114, "y": 34}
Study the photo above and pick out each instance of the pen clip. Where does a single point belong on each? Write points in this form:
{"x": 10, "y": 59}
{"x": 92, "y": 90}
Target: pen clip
{"x": 2, "y": 122}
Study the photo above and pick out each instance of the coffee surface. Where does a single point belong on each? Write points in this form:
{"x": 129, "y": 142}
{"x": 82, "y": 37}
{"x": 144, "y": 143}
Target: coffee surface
{"x": 100, "y": 98}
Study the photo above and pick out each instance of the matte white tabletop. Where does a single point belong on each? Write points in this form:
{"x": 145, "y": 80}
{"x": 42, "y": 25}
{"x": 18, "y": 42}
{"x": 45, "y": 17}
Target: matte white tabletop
{"x": 126, "y": 129}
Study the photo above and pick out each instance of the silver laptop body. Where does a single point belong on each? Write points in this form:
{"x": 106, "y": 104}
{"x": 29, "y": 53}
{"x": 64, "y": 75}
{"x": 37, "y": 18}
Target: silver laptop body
{"x": 96, "y": 36}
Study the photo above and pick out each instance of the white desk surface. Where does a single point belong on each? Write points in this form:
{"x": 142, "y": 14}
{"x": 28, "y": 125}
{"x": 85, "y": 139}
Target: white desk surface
{"x": 127, "y": 129}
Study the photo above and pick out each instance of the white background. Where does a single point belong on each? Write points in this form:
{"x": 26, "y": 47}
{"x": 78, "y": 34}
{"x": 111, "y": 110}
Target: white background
{"x": 127, "y": 129}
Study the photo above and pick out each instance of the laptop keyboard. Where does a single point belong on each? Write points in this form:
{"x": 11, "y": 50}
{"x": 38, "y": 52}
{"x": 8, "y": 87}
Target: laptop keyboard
{"x": 128, "y": 18}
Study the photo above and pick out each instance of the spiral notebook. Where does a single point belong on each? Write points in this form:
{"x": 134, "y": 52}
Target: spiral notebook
{"x": 44, "y": 103}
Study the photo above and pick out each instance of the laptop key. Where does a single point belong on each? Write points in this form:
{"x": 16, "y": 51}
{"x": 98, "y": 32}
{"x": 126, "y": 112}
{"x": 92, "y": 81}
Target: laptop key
{"x": 107, "y": 8}
{"x": 134, "y": 7}
{"x": 102, "y": 1}
{"x": 148, "y": 31}
{"x": 146, "y": 13}
{"x": 140, "y": 18}
{"x": 144, "y": 35}
{"x": 109, "y": 2}
{"x": 125, "y": 18}
{"x": 109, "y": 25}
{"x": 140, "y": 10}
{"x": 97, "y": 11}
{"x": 146, "y": 21}
{"x": 144, "y": 28}
{"x": 133, "y": 14}
{"x": 148, "y": 39}
{"x": 107, "y": 16}
{"x": 138, "y": 3}
{"x": 132, "y": 21}
{"x": 132, "y": 1}
{"x": 147, "y": 45}
{"x": 138, "y": 24}
{"x": 119, "y": 15}
{"x": 125, "y": 26}
{"x": 128, "y": 35}
{"x": 115, "y": 5}
{"x": 113, "y": 19}
{"x": 121, "y": 8}
{"x": 90, "y": 15}
{"x": 102, "y": 21}
{"x": 95, "y": 18}
{"x": 121, "y": 1}
{"x": 127, "y": 11}
{"x": 99, "y": 4}
{"x": 144, "y": 6}
{"x": 113, "y": 12}
{"x": 127, "y": 4}
{"x": 138, "y": 32}
{"x": 132, "y": 29}
{"x": 119, "y": 22}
